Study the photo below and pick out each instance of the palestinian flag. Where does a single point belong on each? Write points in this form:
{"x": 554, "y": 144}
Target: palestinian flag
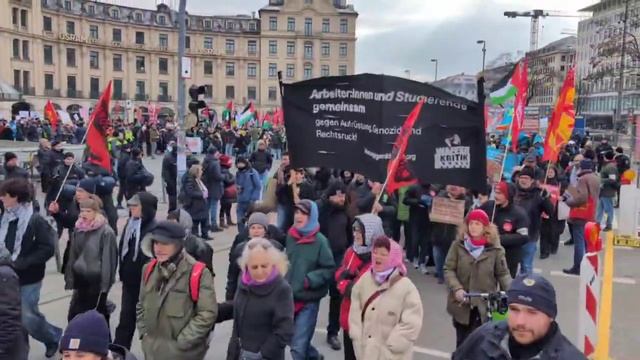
{"x": 226, "y": 113}
{"x": 503, "y": 90}
{"x": 247, "y": 115}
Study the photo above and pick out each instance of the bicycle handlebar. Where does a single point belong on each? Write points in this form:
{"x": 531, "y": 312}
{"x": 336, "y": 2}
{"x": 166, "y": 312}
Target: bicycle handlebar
{"x": 486, "y": 296}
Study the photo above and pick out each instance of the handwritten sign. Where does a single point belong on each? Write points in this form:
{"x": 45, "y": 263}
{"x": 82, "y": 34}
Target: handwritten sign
{"x": 447, "y": 211}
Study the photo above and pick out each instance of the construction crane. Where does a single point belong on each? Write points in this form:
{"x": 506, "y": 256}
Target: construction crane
{"x": 535, "y": 16}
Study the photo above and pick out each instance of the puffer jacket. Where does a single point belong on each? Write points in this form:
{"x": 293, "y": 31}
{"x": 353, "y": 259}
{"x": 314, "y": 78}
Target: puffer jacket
{"x": 248, "y": 184}
{"x": 484, "y": 274}
{"x": 391, "y": 324}
{"x": 171, "y": 325}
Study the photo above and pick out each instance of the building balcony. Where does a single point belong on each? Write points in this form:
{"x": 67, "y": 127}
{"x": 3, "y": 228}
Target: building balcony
{"x": 164, "y": 98}
{"x": 52, "y": 92}
{"x": 73, "y": 93}
{"x": 29, "y": 91}
{"x": 141, "y": 97}
{"x": 119, "y": 96}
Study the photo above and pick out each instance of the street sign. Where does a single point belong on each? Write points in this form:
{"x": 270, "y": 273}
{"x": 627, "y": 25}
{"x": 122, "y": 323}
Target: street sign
{"x": 626, "y": 241}
{"x": 186, "y": 67}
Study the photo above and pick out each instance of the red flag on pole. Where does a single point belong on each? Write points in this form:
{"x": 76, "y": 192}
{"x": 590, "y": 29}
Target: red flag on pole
{"x": 98, "y": 151}
{"x": 398, "y": 175}
{"x": 562, "y": 120}
{"x": 51, "y": 114}
{"x": 521, "y": 82}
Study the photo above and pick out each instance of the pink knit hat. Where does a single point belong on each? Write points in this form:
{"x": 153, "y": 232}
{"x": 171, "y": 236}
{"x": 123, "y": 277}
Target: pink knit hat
{"x": 395, "y": 253}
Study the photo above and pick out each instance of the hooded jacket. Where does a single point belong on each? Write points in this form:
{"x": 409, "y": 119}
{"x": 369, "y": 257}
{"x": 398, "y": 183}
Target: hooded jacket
{"x": 130, "y": 269}
{"x": 13, "y": 345}
{"x": 248, "y": 184}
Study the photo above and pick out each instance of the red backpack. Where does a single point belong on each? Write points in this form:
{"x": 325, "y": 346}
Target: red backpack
{"x": 194, "y": 278}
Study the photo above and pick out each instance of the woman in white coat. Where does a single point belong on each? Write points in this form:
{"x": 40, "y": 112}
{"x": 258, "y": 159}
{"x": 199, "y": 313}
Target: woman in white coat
{"x": 386, "y": 310}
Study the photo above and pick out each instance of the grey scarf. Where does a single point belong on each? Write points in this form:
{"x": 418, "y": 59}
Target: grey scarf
{"x": 133, "y": 227}
{"x": 22, "y": 212}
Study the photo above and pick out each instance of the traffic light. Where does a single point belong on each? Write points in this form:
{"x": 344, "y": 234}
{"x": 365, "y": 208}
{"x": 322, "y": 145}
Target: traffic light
{"x": 196, "y": 102}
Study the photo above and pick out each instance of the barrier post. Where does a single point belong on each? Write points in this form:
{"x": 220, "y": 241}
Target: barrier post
{"x": 589, "y": 291}
{"x": 606, "y": 302}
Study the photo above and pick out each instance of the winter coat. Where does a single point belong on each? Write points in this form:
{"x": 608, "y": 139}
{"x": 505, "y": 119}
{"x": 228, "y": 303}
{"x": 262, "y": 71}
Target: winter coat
{"x": 122, "y": 166}
{"x": 135, "y": 174}
{"x": 311, "y": 265}
{"x": 335, "y": 225}
{"x": 170, "y": 324}
{"x": 443, "y": 235}
{"x": 44, "y": 161}
{"x": 93, "y": 259}
{"x": 588, "y": 187}
{"x": 13, "y": 344}
{"x": 36, "y": 249}
{"x": 228, "y": 181}
{"x": 15, "y": 172}
{"x": 56, "y": 159}
{"x": 248, "y": 185}
{"x": 391, "y": 323}
{"x": 491, "y": 340}
{"x": 359, "y": 199}
{"x": 212, "y": 177}
{"x": 195, "y": 203}
{"x": 170, "y": 173}
{"x": 532, "y": 201}
{"x": 609, "y": 179}
{"x": 131, "y": 270}
{"x": 261, "y": 160}
{"x": 263, "y": 320}
{"x": 484, "y": 274}
{"x": 352, "y": 268}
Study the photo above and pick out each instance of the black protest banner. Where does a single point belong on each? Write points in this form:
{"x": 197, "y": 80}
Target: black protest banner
{"x": 351, "y": 123}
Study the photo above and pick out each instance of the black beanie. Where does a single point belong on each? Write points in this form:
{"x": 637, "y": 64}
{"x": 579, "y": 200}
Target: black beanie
{"x": 535, "y": 291}
{"x": 88, "y": 184}
{"x": 87, "y": 332}
{"x": 8, "y": 156}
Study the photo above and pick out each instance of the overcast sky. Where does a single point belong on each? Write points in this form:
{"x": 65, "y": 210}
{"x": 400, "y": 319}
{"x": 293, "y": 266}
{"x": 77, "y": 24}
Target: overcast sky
{"x": 399, "y": 35}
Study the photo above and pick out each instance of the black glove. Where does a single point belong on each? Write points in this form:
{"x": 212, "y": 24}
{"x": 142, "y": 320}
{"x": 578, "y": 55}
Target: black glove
{"x": 347, "y": 290}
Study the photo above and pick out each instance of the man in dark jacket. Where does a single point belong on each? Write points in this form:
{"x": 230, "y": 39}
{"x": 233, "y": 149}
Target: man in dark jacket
{"x": 11, "y": 168}
{"x": 530, "y": 331}
{"x": 44, "y": 156}
{"x": 511, "y": 221}
{"x": 293, "y": 190}
{"x": 135, "y": 174}
{"x": 125, "y": 156}
{"x": 170, "y": 176}
{"x": 534, "y": 201}
{"x": 142, "y": 207}
{"x": 601, "y": 150}
{"x": 75, "y": 174}
{"x": 418, "y": 198}
{"x": 13, "y": 344}
{"x": 212, "y": 177}
{"x": 610, "y": 184}
{"x": 261, "y": 160}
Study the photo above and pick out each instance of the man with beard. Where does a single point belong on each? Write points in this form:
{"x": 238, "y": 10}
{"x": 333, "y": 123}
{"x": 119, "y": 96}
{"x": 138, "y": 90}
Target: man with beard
{"x": 530, "y": 331}
{"x": 335, "y": 225}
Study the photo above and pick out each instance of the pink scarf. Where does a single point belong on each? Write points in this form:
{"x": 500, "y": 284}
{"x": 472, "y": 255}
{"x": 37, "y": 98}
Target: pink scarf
{"x": 83, "y": 225}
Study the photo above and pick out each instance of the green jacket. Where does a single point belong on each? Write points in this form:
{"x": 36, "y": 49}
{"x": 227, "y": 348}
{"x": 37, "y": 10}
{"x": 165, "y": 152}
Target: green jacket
{"x": 311, "y": 263}
{"x": 170, "y": 324}
{"x": 403, "y": 210}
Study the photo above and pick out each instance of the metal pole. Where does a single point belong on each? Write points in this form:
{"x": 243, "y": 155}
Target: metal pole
{"x": 623, "y": 55}
{"x": 182, "y": 159}
{"x": 436, "y": 77}
{"x": 484, "y": 54}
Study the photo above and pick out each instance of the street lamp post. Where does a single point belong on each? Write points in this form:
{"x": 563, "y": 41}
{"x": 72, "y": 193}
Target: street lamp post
{"x": 181, "y": 143}
{"x": 435, "y": 77}
{"x": 484, "y": 51}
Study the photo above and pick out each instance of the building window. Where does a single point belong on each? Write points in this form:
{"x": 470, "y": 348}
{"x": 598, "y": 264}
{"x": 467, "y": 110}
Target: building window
{"x": 117, "y": 89}
{"x": 273, "y": 70}
{"x": 46, "y": 23}
{"x": 326, "y": 25}
{"x": 252, "y": 70}
{"x": 251, "y": 92}
{"x": 93, "y": 31}
{"x": 326, "y": 49}
{"x": 324, "y": 70}
{"x": 230, "y": 69}
{"x": 115, "y": 13}
{"x": 71, "y": 84}
{"x": 208, "y": 43}
{"x": 91, "y": 9}
{"x": 24, "y": 18}
{"x": 117, "y": 62}
{"x": 308, "y": 26}
{"x": 273, "y": 23}
{"x": 48, "y": 54}
{"x": 207, "y": 24}
{"x": 48, "y": 81}
{"x": 16, "y": 79}
{"x": 344, "y": 26}
{"x": 291, "y": 48}
{"x": 342, "y": 70}
{"x": 140, "y": 37}
{"x": 140, "y": 89}
{"x": 116, "y": 35}
{"x": 252, "y": 26}
{"x": 273, "y": 47}
{"x": 14, "y": 16}
{"x": 230, "y": 46}
{"x": 94, "y": 60}
{"x": 71, "y": 27}
{"x": 16, "y": 48}
{"x": 343, "y": 49}
{"x": 163, "y": 41}
{"x": 164, "y": 89}
{"x": 162, "y": 20}
{"x": 187, "y": 42}
{"x": 291, "y": 71}
{"x": 252, "y": 47}
{"x": 67, "y": 5}
{"x": 273, "y": 93}
{"x": 308, "y": 50}
{"x": 230, "y": 92}
{"x": 26, "y": 82}
{"x": 140, "y": 68}
{"x": 291, "y": 24}
{"x": 308, "y": 71}
{"x": 208, "y": 67}
{"x": 25, "y": 50}
{"x": 138, "y": 17}
{"x": 94, "y": 88}
{"x": 163, "y": 66}
{"x": 71, "y": 57}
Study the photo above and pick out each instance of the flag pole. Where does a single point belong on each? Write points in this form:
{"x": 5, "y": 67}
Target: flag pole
{"x": 504, "y": 160}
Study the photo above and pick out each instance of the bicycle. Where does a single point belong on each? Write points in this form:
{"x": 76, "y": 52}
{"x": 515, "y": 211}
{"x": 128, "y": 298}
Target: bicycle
{"x": 497, "y": 307}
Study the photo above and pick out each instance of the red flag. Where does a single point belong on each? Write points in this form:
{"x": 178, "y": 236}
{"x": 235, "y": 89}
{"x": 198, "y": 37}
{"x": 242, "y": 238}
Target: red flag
{"x": 97, "y": 131}
{"x": 521, "y": 83}
{"x": 51, "y": 114}
{"x": 398, "y": 175}
{"x": 562, "y": 120}
{"x": 278, "y": 117}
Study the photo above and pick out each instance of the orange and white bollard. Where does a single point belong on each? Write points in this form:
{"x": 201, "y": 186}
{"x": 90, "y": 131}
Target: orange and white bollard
{"x": 589, "y": 293}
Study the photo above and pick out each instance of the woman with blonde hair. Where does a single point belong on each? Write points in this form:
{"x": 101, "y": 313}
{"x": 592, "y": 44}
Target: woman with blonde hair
{"x": 194, "y": 199}
{"x": 263, "y": 305}
{"x": 476, "y": 263}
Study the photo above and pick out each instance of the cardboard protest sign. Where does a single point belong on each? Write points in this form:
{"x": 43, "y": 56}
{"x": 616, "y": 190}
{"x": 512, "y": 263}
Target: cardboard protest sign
{"x": 447, "y": 211}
